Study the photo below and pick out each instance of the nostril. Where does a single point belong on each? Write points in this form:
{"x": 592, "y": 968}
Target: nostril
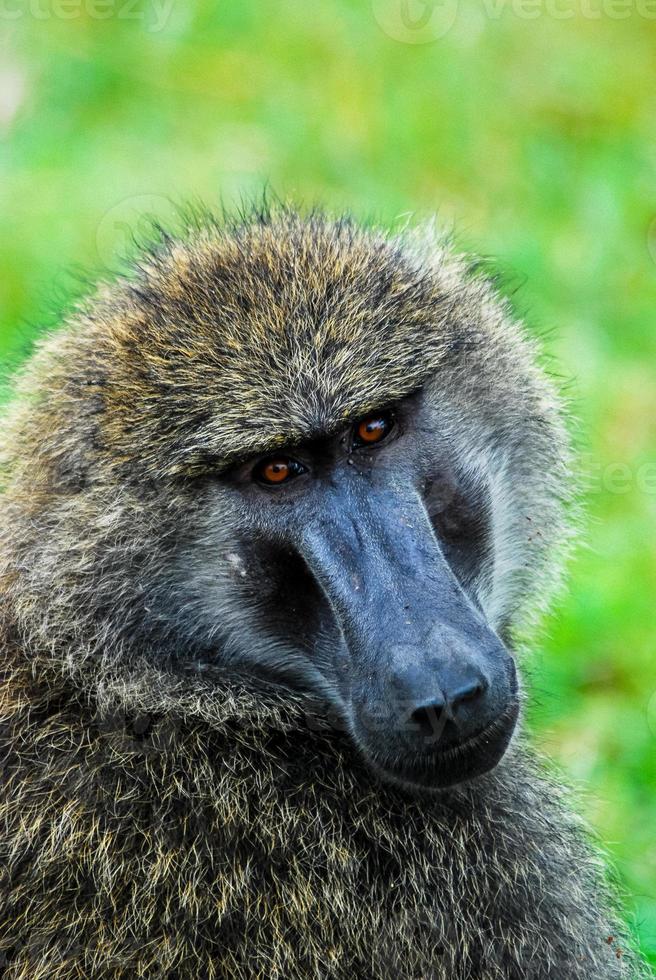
{"x": 429, "y": 719}
{"x": 468, "y": 693}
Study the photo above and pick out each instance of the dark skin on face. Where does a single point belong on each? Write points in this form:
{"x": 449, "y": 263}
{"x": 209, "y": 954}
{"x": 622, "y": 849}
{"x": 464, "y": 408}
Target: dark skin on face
{"x": 425, "y": 687}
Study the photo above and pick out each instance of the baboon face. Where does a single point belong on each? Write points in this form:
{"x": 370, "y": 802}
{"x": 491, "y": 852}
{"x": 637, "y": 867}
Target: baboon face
{"x": 350, "y": 567}
{"x": 303, "y": 455}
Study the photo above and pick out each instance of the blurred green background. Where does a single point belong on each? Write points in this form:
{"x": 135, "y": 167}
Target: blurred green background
{"x": 527, "y": 126}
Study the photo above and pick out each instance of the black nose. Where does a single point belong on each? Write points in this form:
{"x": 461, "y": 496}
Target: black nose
{"x": 439, "y": 721}
{"x": 442, "y": 709}
{"x": 445, "y": 715}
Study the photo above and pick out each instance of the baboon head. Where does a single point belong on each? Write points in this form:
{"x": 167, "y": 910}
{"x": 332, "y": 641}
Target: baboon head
{"x": 302, "y": 457}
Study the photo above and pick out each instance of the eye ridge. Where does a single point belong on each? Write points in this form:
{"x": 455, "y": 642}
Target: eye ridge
{"x": 373, "y": 429}
{"x": 273, "y": 471}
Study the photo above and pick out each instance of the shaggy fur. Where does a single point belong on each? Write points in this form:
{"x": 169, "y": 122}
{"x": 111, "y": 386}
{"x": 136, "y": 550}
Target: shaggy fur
{"x": 164, "y": 820}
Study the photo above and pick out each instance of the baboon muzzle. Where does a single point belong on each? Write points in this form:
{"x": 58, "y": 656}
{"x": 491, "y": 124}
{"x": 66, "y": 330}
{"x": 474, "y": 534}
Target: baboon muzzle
{"x": 429, "y": 690}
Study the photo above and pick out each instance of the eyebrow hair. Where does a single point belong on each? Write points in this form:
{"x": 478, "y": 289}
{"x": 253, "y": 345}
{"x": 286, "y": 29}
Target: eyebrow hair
{"x": 197, "y": 460}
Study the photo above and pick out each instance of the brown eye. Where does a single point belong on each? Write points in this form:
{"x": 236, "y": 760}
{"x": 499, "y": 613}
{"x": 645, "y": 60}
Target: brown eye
{"x": 276, "y": 470}
{"x": 373, "y": 428}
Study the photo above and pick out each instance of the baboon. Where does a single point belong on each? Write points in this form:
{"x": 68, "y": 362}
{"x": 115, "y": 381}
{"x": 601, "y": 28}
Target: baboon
{"x": 279, "y": 508}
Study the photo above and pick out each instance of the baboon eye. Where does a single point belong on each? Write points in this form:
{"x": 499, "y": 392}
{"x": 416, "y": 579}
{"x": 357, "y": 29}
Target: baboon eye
{"x": 276, "y": 470}
{"x": 373, "y": 428}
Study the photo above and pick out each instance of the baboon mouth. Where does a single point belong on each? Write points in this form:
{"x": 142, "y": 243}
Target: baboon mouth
{"x": 456, "y": 764}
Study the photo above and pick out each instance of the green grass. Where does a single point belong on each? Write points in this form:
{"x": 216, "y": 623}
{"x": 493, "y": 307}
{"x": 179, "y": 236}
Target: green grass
{"x": 534, "y": 138}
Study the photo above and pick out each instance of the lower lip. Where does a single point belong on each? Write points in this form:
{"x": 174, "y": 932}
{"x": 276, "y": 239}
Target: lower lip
{"x": 461, "y": 763}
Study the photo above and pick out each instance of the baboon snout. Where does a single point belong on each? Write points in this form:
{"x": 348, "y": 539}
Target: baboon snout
{"x": 429, "y": 688}
{"x": 436, "y": 721}
{"x": 445, "y": 710}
